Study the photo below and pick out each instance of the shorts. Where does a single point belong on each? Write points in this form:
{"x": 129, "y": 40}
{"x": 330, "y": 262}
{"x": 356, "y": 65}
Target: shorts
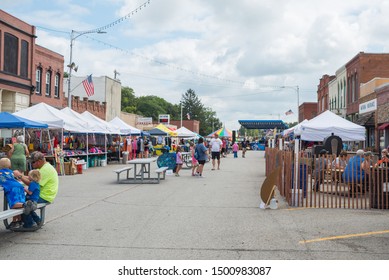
{"x": 202, "y": 162}
{"x": 216, "y": 155}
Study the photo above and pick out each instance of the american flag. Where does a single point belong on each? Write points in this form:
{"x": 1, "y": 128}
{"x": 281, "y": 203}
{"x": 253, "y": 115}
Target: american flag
{"x": 290, "y": 112}
{"x": 88, "y": 86}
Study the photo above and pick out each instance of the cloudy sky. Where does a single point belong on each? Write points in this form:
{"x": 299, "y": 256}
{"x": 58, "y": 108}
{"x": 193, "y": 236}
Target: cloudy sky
{"x": 244, "y": 59}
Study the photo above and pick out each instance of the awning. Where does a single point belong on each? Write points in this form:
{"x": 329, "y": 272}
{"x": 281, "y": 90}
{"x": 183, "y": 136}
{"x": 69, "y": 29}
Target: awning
{"x": 263, "y": 124}
{"x": 366, "y": 120}
{"x": 383, "y": 126}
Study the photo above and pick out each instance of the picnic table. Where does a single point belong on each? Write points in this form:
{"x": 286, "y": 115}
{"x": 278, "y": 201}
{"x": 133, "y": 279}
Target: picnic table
{"x": 141, "y": 174}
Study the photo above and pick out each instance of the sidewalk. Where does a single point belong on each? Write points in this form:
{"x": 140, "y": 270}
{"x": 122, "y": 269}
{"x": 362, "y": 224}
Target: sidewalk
{"x": 216, "y": 217}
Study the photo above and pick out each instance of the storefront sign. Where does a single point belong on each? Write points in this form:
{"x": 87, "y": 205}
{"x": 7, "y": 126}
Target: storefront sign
{"x": 144, "y": 121}
{"x": 368, "y": 106}
{"x": 164, "y": 119}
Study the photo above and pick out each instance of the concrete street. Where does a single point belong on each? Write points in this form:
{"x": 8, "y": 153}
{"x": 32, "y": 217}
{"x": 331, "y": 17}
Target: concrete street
{"x": 216, "y": 217}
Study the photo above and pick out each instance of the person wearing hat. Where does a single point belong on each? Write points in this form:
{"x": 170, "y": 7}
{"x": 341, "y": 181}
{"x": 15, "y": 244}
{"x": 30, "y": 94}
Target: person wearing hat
{"x": 353, "y": 173}
{"x": 320, "y": 167}
{"x": 49, "y": 178}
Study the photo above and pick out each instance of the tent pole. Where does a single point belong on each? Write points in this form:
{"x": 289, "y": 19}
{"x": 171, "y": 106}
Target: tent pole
{"x": 87, "y": 150}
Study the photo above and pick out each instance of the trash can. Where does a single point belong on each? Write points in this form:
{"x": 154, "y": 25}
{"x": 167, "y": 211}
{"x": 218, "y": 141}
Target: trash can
{"x": 125, "y": 157}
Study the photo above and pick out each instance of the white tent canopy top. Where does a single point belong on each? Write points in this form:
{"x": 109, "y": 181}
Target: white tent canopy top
{"x": 328, "y": 123}
{"x": 53, "y": 117}
{"x": 125, "y": 128}
{"x": 186, "y": 133}
{"x": 100, "y": 125}
{"x": 295, "y": 129}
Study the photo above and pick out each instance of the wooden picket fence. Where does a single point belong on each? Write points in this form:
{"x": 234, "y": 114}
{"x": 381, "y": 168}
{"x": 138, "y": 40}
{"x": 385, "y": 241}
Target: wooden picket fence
{"x": 370, "y": 193}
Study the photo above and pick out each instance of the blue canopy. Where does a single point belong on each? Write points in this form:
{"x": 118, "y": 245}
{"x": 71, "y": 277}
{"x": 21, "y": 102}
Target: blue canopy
{"x": 7, "y": 120}
{"x": 263, "y": 124}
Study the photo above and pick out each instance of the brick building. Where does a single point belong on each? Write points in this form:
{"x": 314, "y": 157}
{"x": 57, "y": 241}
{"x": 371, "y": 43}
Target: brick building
{"x": 307, "y": 110}
{"x": 30, "y": 74}
{"x": 360, "y": 69}
{"x": 48, "y": 77}
{"x": 323, "y": 93}
{"x": 17, "y": 48}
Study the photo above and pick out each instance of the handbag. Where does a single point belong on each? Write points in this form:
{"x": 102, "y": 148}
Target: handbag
{"x": 196, "y": 154}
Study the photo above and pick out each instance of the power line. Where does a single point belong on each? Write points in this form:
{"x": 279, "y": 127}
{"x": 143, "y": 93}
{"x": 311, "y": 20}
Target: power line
{"x": 118, "y": 21}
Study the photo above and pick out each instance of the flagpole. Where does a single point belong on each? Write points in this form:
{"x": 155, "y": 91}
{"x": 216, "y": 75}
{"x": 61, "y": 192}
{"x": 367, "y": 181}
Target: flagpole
{"x": 181, "y": 114}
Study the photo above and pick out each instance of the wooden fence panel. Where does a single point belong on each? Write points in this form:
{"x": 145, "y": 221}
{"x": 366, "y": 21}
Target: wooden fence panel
{"x": 330, "y": 192}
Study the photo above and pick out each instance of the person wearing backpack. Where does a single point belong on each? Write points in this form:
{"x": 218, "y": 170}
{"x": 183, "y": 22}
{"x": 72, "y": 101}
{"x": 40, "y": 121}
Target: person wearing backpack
{"x": 201, "y": 154}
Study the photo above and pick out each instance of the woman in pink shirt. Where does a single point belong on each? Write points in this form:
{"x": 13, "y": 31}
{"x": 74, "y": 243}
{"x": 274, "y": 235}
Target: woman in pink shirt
{"x": 235, "y": 149}
{"x": 178, "y": 160}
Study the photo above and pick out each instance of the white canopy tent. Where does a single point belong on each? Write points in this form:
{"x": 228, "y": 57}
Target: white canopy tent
{"x": 295, "y": 129}
{"x": 53, "y": 117}
{"x": 183, "y": 132}
{"x": 74, "y": 114}
{"x": 328, "y": 123}
{"x": 99, "y": 125}
{"x": 125, "y": 128}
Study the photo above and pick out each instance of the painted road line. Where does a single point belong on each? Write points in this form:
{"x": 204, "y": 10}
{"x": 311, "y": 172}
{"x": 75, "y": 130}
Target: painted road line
{"x": 344, "y": 236}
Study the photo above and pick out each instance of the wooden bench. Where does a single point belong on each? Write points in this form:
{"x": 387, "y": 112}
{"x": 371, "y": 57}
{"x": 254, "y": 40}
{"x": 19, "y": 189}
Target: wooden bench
{"x": 119, "y": 171}
{"x": 9, "y": 213}
{"x": 161, "y": 170}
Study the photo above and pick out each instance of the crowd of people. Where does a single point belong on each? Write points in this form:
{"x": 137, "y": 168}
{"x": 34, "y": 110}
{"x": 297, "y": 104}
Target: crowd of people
{"x": 353, "y": 170}
{"x": 212, "y": 150}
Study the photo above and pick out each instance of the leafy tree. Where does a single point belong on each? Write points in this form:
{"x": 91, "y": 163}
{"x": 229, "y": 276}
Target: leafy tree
{"x": 129, "y": 101}
{"x": 153, "y": 106}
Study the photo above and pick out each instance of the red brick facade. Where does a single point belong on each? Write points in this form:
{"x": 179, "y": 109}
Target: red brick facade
{"x": 192, "y": 125}
{"x": 50, "y": 65}
{"x": 21, "y": 85}
{"x": 80, "y": 106}
{"x": 361, "y": 69}
{"x": 307, "y": 110}
{"x": 323, "y": 93}
{"x": 17, "y": 32}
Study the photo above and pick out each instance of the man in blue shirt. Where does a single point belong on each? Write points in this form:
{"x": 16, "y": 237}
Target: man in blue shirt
{"x": 354, "y": 173}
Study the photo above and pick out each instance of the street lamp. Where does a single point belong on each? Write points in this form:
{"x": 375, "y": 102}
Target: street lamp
{"x": 296, "y": 88}
{"x": 72, "y": 66}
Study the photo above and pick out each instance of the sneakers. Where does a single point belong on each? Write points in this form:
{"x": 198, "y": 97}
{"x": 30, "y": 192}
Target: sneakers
{"x": 29, "y": 206}
{"x": 15, "y": 225}
{"x": 177, "y": 175}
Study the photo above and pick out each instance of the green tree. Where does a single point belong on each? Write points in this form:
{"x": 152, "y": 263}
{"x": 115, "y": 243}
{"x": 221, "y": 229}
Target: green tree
{"x": 192, "y": 105}
{"x": 129, "y": 101}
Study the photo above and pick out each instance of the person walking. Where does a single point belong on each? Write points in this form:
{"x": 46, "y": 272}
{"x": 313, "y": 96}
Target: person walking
{"x": 235, "y": 149}
{"x": 195, "y": 163}
{"x": 202, "y": 155}
{"x": 178, "y": 161}
{"x": 215, "y": 146}
{"x": 244, "y": 148}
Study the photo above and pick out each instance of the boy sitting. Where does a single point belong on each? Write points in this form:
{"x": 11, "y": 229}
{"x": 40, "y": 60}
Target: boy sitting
{"x": 14, "y": 192}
